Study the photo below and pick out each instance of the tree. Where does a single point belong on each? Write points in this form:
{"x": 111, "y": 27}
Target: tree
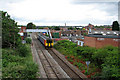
{"x": 31, "y": 26}
{"x": 115, "y": 26}
{"x": 56, "y": 28}
{"x": 10, "y": 36}
{"x": 70, "y": 28}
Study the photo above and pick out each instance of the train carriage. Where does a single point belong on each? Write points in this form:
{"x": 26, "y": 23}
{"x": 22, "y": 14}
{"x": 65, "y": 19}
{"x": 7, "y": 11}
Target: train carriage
{"x": 46, "y": 41}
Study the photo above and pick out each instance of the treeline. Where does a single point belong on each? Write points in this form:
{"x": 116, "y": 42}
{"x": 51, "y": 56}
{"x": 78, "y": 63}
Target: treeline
{"x": 17, "y": 59}
{"x": 106, "y": 59}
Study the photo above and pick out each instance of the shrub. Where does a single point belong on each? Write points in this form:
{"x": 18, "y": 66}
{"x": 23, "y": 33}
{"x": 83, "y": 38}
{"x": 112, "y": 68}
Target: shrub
{"x": 19, "y": 70}
{"x": 28, "y": 40}
{"x": 23, "y": 50}
{"x": 110, "y": 68}
{"x": 110, "y": 71}
{"x": 106, "y": 58}
{"x": 66, "y": 46}
{"x": 85, "y": 52}
{"x": 15, "y": 66}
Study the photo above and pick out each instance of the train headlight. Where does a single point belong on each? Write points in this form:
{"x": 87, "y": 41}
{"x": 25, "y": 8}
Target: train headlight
{"x": 52, "y": 44}
{"x": 46, "y": 44}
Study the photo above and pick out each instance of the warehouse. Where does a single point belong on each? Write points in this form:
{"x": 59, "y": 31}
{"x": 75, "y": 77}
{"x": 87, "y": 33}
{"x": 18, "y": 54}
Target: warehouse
{"x": 99, "y": 41}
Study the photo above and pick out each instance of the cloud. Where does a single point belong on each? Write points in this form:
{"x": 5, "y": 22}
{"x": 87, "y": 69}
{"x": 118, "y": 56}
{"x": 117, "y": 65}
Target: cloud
{"x": 79, "y": 1}
{"x": 58, "y": 12}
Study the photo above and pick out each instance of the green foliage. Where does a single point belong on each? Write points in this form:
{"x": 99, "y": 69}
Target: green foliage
{"x": 115, "y": 26}
{"x": 28, "y": 40}
{"x": 15, "y": 66}
{"x": 17, "y": 60}
{"x": 50, "y": 27}
{"x": 111, "y": 64}
{"x": 40, "y": 27}
{"x": 106, "y": 58}
{"x": 10, "y": 36}
{"x": 21, "y": 25}
{"x": 56, "y": 28}
{"x": 23, "y": 50}
{"x": 66, "y": 44}
{"x": 99, "y": 26}
{"x": 84, "y": 34}
{"x": 47, "y": 35}
{"x": 70, "y": 28}
{"x": 85, "y": 52}
{"x": 99, "y": 56}
{"x": 31, "y": 26}
{"x": 109, "y": 71}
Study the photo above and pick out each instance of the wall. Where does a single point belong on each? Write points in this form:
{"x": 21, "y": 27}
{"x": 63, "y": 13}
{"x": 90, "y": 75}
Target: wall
{"x": 100, "y": 42}
{"x": 89, "y": 41}
{"x": 106, "y": 42}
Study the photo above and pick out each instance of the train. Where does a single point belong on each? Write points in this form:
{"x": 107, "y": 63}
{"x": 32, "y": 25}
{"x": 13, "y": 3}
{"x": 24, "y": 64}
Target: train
{"x": 46, "y": 41}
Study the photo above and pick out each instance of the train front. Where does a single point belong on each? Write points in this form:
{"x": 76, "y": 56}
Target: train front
{"x": 49, "y": 43}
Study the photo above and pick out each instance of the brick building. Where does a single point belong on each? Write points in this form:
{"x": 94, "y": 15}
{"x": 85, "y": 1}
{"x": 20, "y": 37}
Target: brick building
{"x": 22, "y": 32}
{"x": 99, "y": 41}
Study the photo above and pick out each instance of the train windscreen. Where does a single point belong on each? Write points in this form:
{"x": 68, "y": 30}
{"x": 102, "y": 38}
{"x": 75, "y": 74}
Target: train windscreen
{"x": 49, "y": 41}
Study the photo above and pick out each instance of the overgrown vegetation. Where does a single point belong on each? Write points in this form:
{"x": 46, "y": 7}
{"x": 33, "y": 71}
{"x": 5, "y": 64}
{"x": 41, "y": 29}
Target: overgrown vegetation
{"x": 28, "y": 40}
{"x": 17, "y": 65}
{"x": 17, "y": 59}
{"x": 104, "y": 61}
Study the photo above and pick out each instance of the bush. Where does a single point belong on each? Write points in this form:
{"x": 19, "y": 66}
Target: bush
{"x": 15, "y": 66}
{"x": 19, "y": 70}
{"x": 23, "y": 50}
{"x": 106, "y": 58}
{"x": 66, "y": 46}
{"x": 99, "y": 56}
{"x": 110, "y": 68}
{"x": 85, "y": 52}
{"x": 28, "y": 40}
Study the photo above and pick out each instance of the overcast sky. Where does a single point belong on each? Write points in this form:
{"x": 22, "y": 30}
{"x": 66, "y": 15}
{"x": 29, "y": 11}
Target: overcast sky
{"x": 59, "y": 12}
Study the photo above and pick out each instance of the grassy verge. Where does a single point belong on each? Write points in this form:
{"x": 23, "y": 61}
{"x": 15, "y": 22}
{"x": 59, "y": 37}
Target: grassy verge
{"x": 15, "y": 65}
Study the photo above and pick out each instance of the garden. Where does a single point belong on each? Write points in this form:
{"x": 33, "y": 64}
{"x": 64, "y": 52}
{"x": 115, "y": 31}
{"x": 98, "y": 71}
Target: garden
{"x": 104, "y": 62}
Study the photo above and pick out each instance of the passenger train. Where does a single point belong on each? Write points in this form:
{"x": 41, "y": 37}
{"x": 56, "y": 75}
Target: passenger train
{"x": 46, "y": 41}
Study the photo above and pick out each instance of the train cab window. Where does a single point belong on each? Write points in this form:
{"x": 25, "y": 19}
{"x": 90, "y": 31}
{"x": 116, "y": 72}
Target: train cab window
{"x": 49, "y": 41}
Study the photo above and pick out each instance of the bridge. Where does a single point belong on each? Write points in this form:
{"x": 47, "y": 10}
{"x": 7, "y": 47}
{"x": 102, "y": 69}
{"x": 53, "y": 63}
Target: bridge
{"x": 40, "y": 30}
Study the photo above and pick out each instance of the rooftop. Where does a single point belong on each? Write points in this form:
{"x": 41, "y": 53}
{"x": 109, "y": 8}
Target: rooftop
{"x": 104, "y": 36}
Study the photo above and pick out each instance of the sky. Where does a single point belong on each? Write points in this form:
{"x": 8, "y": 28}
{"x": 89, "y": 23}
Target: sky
{"x": 59, "y": 12}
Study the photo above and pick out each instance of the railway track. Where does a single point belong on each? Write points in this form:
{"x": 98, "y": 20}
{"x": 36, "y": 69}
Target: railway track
{"x": 71, "y": 73}
{"x": 55, "y": 66}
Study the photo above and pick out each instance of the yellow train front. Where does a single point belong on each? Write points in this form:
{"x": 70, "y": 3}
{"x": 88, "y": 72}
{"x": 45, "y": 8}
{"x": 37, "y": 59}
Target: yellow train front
{"x": 47, "y": 42}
